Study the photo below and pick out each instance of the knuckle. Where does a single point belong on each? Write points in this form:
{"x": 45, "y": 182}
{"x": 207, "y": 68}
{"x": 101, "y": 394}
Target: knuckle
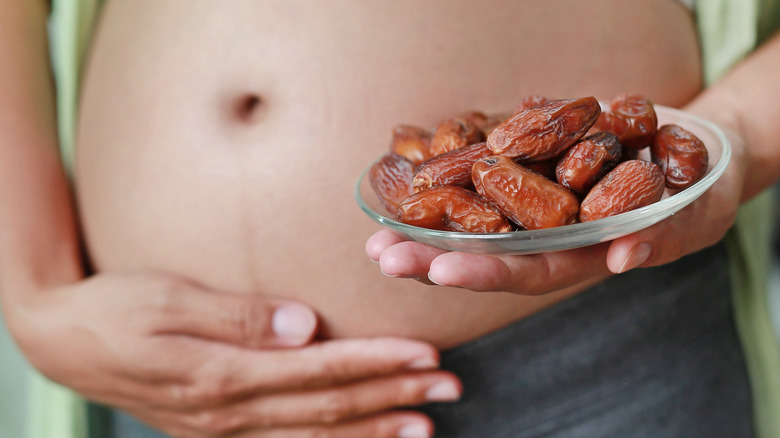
{"x": 675, "y": 249}
{"x": 375, "y": 428}
{"x": 409, "y": 392}
{"x": 322, "y": 432}
{"x": 266, "y": 420}
{"x": 380, "y": 429}
{"x": 200, "y": 395}
{"x": 166, "y": 298}
{"x": 539, "y": 283}
{"x": 214, "y": 422}
{"x": 250, "y": 322}
{"x": 333, "y": 407}
{"x": 326, "y": 371}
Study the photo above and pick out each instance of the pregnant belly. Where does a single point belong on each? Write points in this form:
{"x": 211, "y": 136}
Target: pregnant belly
{"x": 221, "y": 143}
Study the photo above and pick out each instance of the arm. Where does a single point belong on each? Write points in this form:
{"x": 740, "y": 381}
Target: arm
{"x": 746, "y": 104}
{"x": 38, "y": 237}
{"x": 190, "y": 361}
{"x": 747, "y": 101}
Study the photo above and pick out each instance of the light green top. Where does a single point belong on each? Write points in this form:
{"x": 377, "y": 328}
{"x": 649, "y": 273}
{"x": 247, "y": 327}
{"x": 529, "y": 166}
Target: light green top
{"x": 729, "y": 29}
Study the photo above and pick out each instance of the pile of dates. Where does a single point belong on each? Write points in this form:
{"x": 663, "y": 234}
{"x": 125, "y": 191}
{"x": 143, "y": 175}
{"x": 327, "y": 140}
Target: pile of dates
{"x": 552, "y": 163}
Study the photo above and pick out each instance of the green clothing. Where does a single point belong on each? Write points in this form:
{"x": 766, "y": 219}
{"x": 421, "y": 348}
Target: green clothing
{"x": 729, "y": 29}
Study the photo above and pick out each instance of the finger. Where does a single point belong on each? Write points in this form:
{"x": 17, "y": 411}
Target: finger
{"x": 408, "y": 259}
{"x": 326, "y": 406}
{"x": 524, "y": 274}
{"x": 226, "y": 374}
{"x": 342, "y": 403}
{"x": 387, "y": 425}
{"x": 381, "y": 240}
{"x": 245, "y": 320}
{"x": 395, "y": 424}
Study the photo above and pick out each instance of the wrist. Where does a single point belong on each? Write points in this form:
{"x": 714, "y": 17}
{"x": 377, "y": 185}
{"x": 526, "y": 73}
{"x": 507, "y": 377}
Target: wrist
{"x": 722, "y": 108}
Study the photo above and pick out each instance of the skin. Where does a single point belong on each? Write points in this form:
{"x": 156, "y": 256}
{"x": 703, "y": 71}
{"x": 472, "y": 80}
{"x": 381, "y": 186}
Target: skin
{"x": 179, "y": 191}
{"x": 251, "y": 204}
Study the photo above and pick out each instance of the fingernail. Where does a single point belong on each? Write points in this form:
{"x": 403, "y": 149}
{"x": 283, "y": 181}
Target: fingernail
{"x": 638, "y": 255}
{"x": 293, "y": 322}
{"x": 444, "y": 391}
{"x": 422, "y": 363}
{"x": 414, "y": 430}
{"x": 386, "y": 274}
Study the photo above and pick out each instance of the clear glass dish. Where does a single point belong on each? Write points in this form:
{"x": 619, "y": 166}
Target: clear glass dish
{"x": 575, "y": 235}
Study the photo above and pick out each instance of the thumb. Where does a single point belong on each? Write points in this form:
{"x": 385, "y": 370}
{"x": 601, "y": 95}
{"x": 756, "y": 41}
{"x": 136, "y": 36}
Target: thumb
{"x": 695, "y": 227}
{"x": 246, "y": 320}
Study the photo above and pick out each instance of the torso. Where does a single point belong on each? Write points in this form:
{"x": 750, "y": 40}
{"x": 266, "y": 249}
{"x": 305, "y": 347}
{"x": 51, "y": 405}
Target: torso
{"x": 176, "y": 174}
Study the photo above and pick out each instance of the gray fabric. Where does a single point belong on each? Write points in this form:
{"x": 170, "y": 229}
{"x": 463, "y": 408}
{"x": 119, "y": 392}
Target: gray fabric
{"x": 651, "y": 353}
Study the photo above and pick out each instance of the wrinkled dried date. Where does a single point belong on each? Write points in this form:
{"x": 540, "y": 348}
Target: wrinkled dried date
{"x": 530, "y": 102}
{"x": 411, "y": 142}
{"x": 587, "y": 161}
{"x": 525, "y": 197}
{"x": 426, "y": 181}
{"x": 680, "y": 155}
{"x": 453, "y": 134}
{"x": 544, "y": 131}
{"x": 632, "y": 118}
{"x": 478, "y": 118}
{"x": 451, "y": 168}
{"x": 630, "y": 185}
{"x": 545, "y": 168}
{"x": 391, "y": 179}
{"x": 451, "y": 208}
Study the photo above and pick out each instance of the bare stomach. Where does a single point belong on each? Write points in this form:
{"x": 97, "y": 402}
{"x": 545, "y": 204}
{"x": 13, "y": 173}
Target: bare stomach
{"x": 220, "y": 141}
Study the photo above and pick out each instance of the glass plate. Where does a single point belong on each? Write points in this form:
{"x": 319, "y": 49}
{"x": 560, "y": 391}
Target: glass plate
{"x": 575, "y": 235}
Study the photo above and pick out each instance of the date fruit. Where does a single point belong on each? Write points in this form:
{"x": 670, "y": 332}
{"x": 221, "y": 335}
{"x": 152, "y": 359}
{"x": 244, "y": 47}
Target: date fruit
{"x": 545, "y": 168}
{"x": 680, "y": 155}
{"x": 531, "y": 101}
{"x": 451, "y": 208}
{"x": 544, "y": 131}
{"x": 450, "y": 168}
{"x": 454, "y": 134}
{"x": 411, "y": 142}
{"x": 585, "y": 163}
{"x": 632, "y": 118}
{"x": 630, "y": 185}
{"x": 391, "y": 179}
{"x": 525, "y": 197}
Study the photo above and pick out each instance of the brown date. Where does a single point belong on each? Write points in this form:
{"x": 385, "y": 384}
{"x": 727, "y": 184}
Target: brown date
{"x": 531, "y": 101}
{"x": 680, "y": 154}
{"x": 478, "y": 118}
{"x": 545, "y": 168}
{"x": 411, "y": 142}
{"x": 632, "y": 118}
{"x": 630, "y": 185}
{"x": 485, "y": 123}
{"x": 525, "y": 197}
{"x": 453, "y": 134}
{"x": 544, "y": 131}
{"x": 391, "y": 179}
{"x": 450, "y": 168}
{"x": 583, "y": 164}
{"x": 451, "y": 208}
{"x": 492, "y": 123}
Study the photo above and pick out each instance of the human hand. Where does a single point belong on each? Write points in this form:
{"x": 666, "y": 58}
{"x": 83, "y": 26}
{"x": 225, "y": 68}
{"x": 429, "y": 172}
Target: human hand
{"x": 197, "y": 363}
{"x": 701, "y": 224}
